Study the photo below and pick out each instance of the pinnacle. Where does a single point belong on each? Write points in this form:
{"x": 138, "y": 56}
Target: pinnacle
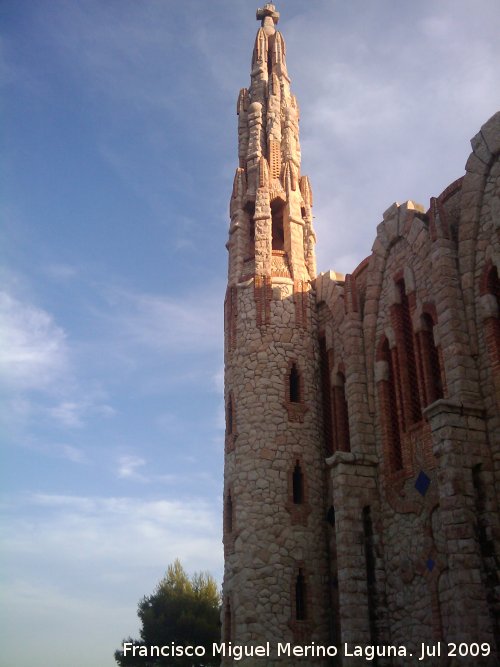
{"x": 268, "y": 10}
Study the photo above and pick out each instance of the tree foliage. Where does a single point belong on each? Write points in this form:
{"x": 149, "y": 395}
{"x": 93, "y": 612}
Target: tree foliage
{"x": 182, "y": 610}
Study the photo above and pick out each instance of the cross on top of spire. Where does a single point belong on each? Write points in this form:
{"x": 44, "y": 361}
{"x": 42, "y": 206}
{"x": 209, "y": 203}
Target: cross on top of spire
{"x": 268, "y": 10}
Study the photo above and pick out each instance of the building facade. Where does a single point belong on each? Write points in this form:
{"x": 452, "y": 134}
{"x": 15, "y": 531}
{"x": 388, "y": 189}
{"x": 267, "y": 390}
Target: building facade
{"x": 362, "y": 447}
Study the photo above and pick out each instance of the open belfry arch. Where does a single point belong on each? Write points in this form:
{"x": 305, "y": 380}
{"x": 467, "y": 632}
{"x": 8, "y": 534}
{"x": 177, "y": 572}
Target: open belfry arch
{"x": 362, "y": 449}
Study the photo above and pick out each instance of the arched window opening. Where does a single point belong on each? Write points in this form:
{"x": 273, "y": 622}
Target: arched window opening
{"x": 300, "y": 597}
{"x": 228, "y": 514}
{"x": 431, "y": 362}
{"x": 298, "y": 484}
{"x": 341, "y": 414}
{"x": 415, "y": 412}
{"x": 294, "y": 384}
{"x": 278, "y": 232}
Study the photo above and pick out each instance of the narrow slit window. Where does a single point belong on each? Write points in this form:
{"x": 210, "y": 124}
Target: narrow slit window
{"x": 298, "y": 485}
{"x": 294, "y": 385}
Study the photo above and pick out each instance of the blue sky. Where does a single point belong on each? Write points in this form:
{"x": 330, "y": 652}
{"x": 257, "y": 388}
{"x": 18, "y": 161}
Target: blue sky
{"x": 119, "y": 148}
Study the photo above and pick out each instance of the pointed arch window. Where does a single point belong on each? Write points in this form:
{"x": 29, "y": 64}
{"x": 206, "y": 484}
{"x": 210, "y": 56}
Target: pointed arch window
{"x": 411, "y": 382}
{"x": 405, "y": 364}
{"x": 389, "y": 413}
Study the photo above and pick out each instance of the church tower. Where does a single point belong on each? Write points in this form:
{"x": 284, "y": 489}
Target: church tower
{"x": 276, "y": 564}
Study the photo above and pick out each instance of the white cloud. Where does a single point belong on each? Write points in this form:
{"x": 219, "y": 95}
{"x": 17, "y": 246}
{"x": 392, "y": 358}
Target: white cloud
{"x": 34, "y": 351}
{"x": 119, "y": 533}
{"x": 190, "y": 323}
{"x": 68, "y": 413}
{"x": 128, "y": 467}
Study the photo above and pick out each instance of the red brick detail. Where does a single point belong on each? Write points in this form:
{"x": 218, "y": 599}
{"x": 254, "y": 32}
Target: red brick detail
{"x": 263, "y": 296}
{"x": 300, "y": 295}
{"x": 297, "y": 503}
{"x": 361, "y": 267}
{"x": 452, "y": 189}
{"x": 340, "y": 416}
{"x": 280, "y": 266}
{"x": 274, "y": 148}
{"x": 294, "y": 393}
{"x": 230, "y": 317}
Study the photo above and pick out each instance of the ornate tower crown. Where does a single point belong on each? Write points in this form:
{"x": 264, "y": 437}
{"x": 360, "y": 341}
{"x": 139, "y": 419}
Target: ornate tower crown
{"x": 271, "y": 203}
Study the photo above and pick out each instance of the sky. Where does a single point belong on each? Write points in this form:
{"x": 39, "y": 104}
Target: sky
{"x": 118, "y": 154}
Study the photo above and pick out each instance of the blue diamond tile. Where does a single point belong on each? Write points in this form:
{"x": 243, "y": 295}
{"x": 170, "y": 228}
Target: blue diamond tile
{"x": 422, "y": 483}
{"x": 430, "y": 564}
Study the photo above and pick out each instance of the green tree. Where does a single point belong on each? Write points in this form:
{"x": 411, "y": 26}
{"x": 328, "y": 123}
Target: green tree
{"x": 182, "y": 610}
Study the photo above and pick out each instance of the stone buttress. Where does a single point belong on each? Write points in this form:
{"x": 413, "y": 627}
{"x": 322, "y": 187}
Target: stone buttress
{"x": 276, "y": 565}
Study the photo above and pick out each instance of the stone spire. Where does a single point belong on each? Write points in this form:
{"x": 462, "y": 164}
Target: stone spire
{"x": 271, "y": 221}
